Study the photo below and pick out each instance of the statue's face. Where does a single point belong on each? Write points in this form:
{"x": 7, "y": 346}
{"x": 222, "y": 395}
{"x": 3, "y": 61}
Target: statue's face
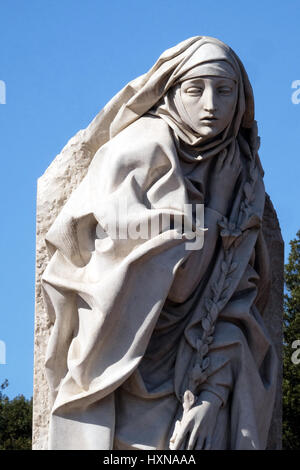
{"x": 210, "y": 103}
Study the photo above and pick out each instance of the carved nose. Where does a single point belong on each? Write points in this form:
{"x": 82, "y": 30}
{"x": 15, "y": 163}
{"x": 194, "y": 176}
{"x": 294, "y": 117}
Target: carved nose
{"x": 210, "y": 106}
{"x": 211, "y": 109}
{"x": 210, "y": 102}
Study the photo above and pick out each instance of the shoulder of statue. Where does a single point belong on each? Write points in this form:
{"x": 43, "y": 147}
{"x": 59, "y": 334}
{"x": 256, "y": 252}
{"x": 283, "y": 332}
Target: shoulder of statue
{"x": 143, "y": 137}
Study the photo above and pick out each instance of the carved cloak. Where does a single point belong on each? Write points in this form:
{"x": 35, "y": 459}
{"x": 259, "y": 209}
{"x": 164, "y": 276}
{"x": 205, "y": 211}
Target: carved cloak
{"x": 136, "y": 322}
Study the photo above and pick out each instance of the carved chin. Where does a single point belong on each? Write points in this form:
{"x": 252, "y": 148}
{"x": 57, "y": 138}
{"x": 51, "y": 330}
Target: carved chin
{"x": 208, "y": 131}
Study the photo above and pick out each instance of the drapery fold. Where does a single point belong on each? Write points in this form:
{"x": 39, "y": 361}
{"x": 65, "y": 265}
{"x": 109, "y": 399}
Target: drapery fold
{"x": 128, "y": 314}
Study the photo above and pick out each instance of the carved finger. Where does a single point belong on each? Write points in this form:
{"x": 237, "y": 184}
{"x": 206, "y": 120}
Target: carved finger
{"x": 180, "y": 438}
{"x": 184, "y": 444}
{"x": 199, "y": 444}
{"x": 192, "y": 439}
{"x": 174, "y": 435}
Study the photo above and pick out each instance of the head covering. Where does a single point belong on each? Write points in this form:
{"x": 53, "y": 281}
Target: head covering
{"x": 211, "y": 59}
{"x": 146, "y": 91}
{"x": 219, "y": 68}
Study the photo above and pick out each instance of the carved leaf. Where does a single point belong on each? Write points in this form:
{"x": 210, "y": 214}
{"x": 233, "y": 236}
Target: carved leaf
{"x": 206, "y": 324}
{"x": 227, "y": 242}
{"x": 224, "y": 267}
{"x": 205, "y": 363}
{"x": 211, "y": 331}
{"x": 199, "y": 344}
{"x": 214, "y": 311}
{"x": 208, "y": 304}
{"x": 223, "y": 223}
{"x": 253, "y": 221}
{"x": 232, "y": 267}
{"x": 228, "y": 282}
{"x": 215, "y": 288}
{"x": 239, "y": 240}
{"x": 225, "y": 292}
{"x": 225, "y": 233}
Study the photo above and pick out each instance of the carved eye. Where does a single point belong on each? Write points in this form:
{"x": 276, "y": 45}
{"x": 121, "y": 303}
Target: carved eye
{"x": 225, "y": 90}
{"x": 193, "y": 90}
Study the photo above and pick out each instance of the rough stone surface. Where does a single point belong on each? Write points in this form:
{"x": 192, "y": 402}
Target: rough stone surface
{"x": 54, "y": 188}
{"x": 274, "y": 310}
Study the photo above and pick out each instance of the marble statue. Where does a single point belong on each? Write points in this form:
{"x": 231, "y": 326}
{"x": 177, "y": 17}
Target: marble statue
{"x": 153, "y": 345}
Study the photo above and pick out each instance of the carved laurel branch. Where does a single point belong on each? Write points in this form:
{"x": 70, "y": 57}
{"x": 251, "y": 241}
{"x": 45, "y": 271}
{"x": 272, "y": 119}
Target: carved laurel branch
{"x": 232, "y": 235}
{"x": 212, "y": 306}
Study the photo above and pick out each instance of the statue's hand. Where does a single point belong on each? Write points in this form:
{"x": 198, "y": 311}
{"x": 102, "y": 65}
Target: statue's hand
{"x": 223, "y": 179}
{"x": 196, "y": 428}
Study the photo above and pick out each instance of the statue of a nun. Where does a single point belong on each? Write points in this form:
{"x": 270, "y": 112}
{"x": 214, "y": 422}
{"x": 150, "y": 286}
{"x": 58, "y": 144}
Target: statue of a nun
{"x": 156, "y": 346}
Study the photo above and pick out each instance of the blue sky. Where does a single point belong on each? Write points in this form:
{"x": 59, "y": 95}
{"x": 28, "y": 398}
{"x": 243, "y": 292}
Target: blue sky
{"x": 62, "y": 60}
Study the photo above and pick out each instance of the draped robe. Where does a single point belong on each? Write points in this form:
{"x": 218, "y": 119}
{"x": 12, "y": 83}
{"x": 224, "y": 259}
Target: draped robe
{"x": 126, "y": 312}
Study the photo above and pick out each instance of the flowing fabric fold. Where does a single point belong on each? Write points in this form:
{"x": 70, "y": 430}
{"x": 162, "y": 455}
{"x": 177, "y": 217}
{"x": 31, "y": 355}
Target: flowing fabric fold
{"x": 137, "y": 318}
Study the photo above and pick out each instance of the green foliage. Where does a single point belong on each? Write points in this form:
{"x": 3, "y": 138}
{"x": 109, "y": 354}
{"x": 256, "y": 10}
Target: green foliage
{"x": 15, "y": 421}
{"x": 291, "y": 381}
